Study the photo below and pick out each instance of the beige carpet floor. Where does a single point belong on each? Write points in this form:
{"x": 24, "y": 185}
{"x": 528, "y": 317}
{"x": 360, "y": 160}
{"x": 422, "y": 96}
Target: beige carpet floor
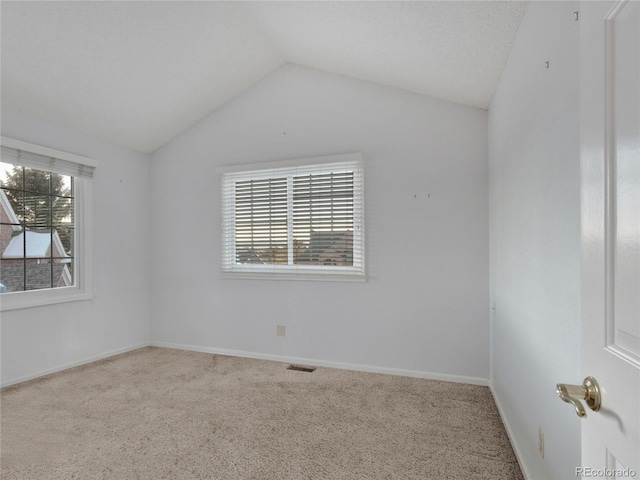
{"x": 158, "y": 413}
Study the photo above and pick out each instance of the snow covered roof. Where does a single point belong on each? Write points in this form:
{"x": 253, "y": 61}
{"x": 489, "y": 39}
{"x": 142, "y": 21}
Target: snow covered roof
{"x": 38, "y": 245}
{"x": 6, "y": 205}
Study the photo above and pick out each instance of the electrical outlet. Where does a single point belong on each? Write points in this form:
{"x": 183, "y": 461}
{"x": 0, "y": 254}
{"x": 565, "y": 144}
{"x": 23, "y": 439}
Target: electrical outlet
{"x": 281, "y": 330}
{"x": 541, "y": 442}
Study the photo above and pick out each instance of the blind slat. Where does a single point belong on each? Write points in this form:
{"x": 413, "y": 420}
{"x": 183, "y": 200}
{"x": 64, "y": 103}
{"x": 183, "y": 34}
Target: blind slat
{"x": 49, "y": 164}
{"x": 295, "y": 218}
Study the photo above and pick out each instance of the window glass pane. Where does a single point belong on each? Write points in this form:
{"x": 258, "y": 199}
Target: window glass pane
{"x": 63, "y": 221}
{"x": 38, "y": 275}
{"x": 65, "y": 233}
{"x": 12, "y": 275}
{"x": 10, "y": 176}
{"x": 62, "y": 211}
{"x": 43, "y": 274}
{"x": 61, "y": 185}
{"x": 302, "y": 220}
{"x": 37, "y": 249}
{"x": 261, "y": 221}
{"x": 6, "y": 218}
{"x": 35, "y": 211}
{"x": 36, "y": 181}
{"x": 66, "y": 279}
{"x": 323, "y": 219}
{"x": 16, "y": 205}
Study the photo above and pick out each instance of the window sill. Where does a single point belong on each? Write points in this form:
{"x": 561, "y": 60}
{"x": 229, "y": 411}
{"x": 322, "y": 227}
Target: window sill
{"x": 39, "y": 298}
{"x": 292, "y": 276}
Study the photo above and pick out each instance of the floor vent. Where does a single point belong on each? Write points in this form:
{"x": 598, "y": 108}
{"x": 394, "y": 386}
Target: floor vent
{"x": 300, "y": 368}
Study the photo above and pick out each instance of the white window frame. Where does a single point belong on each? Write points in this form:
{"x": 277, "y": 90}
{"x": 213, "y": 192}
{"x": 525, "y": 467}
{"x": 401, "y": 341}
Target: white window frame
{"x": 81, "y": 169}
{"x": 232, "y": 174}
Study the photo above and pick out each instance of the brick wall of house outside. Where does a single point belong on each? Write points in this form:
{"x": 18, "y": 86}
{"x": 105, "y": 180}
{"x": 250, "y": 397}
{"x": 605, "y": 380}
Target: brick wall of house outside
{"x": 6, "y": 231}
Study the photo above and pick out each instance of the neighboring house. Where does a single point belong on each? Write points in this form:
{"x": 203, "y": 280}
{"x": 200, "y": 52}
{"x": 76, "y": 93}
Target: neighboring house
{"x": 249, "y": 256}
{"x": 328, "y": 248}
{"x": 45, "y": 263}
{"x": 324, "y": 248}
{"x": 35, "y": 276}
{"x": 42, "y": 245}
{"x": 9, "y": 223}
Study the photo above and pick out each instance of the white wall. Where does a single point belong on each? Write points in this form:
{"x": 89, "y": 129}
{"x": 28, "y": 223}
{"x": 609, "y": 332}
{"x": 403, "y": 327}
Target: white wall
{"x": 44, "y": 339}
{"x": 424, "y": 308}
{"x": 535, "y": 239}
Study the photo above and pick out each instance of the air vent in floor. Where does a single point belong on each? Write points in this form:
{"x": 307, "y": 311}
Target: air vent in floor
{"x": 300, "y": 368}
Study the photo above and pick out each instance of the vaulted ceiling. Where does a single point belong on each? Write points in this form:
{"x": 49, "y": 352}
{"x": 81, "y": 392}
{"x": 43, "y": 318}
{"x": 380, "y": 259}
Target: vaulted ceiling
{"x": 138, "y": 73}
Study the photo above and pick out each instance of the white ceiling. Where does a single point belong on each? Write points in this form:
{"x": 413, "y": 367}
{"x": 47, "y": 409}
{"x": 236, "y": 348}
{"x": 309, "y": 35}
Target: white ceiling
{"x": 138, "y": 73}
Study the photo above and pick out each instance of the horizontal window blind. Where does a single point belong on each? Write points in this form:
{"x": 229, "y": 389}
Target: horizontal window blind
{"x": 46, "y": 159}
{"x": 261, "y": 221}
{"x": 296, "y": 220}
{"x": 49, "y": 257}
{"x": 323, "y": 218}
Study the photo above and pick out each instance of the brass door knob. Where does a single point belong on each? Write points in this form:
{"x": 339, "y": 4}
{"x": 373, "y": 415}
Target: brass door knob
{"x": 589, "y": 391}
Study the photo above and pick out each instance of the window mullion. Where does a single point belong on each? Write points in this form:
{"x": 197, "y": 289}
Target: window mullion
{"x": 277, "y": 207}
{"x": 48, "y": 257}
{"x": 290, "y": 219}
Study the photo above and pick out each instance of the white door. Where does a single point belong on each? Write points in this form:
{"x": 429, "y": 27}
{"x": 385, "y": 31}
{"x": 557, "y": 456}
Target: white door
{"x": 610, "y": 189}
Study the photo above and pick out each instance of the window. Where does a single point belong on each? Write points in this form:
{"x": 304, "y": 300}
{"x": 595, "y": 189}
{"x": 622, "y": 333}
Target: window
{"x": 44, "y": 235}
{"x": 294, "y": 219}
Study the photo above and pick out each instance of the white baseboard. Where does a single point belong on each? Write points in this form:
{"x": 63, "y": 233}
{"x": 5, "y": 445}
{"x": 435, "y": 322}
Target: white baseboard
{"x": 66, "y": 366}
{"x": 261, "y": 356}
{"x": 325, "y": 363}
{"x": 514, "y": 445}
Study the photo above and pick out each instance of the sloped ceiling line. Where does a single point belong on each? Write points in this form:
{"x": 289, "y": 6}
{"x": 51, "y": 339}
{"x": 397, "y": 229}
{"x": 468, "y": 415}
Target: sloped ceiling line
{"x": 139, "y": 73}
